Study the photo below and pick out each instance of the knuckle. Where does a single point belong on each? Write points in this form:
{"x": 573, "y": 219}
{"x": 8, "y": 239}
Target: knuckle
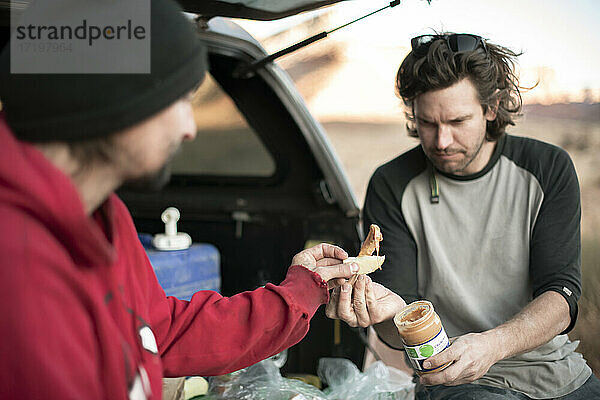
{"x": 345, "y": 293}
{"x": 345, "y": 315}
{"x": 358, "y": 303}
{"x": 451, "y": 377}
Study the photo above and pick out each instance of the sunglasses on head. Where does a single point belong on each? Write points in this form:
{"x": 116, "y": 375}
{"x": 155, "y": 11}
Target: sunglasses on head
{"x": 456, "y": 42}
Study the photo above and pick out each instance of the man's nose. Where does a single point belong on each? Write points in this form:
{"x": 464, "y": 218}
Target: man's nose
{"x": 444, "y": 137}
{"x": 190, "y": 128}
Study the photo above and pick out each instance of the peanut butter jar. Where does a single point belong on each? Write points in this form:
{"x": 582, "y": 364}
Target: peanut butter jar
{"x": 422, "y": 333}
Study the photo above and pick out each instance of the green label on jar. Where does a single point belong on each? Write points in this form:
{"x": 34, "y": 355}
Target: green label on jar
{"x": 421, "y": 352}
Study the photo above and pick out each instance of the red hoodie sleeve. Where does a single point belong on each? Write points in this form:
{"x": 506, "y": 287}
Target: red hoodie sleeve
{"x": 212, "y": 335}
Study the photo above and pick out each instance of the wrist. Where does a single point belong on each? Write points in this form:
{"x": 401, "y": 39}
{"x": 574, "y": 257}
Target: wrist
{"x": 496, "y": 343}
{"x": 313, "y": 287}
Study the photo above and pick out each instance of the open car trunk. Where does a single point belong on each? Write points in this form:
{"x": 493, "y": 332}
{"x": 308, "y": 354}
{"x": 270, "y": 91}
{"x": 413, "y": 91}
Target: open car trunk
{"x": 260, "y": 182}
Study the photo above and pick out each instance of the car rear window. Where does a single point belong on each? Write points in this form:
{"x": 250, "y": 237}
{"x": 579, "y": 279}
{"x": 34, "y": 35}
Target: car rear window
{"x": 225, "y": 144}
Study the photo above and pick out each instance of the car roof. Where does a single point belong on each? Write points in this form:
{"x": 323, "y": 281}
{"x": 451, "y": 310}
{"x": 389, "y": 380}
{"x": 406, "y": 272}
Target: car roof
{"x": 249, "y": 9}
{"x": 252, "y": 9}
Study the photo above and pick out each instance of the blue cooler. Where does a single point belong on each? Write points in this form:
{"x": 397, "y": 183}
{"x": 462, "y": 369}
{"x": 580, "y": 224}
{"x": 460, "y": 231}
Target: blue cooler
{"x": 181, "y": 273}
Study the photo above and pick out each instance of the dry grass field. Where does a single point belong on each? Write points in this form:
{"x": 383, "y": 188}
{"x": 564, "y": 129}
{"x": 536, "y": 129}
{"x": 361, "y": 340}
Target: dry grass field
{"x": 361, "y": 147}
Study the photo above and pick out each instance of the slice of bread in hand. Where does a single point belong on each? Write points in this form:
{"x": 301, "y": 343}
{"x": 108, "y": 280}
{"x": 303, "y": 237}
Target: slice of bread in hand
{"x": 366, "y": 264}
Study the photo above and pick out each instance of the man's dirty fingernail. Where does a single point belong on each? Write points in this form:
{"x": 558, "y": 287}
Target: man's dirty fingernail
{"x": 354, "y": 267}
{"x": 345, "y": 288}
{"x": 426, "y": 364}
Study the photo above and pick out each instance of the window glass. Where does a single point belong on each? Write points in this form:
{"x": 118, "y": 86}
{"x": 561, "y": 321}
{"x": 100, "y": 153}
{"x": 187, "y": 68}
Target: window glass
{"x": 225, "y": 145}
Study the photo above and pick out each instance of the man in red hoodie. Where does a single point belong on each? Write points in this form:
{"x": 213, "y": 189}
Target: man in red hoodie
{"x": 82, "y": 313}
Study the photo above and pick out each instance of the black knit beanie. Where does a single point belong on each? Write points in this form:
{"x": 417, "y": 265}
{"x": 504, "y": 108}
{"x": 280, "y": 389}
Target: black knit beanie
{"x": 74, "y": 107}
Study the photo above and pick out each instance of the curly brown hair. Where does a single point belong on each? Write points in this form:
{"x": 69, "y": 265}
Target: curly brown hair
{"x": 490, "y": 68}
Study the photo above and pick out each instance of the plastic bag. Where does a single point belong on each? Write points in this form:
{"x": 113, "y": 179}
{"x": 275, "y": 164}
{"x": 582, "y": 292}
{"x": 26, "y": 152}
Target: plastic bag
{"x": 378, "y": 382}
{"x": 263, "y": 381}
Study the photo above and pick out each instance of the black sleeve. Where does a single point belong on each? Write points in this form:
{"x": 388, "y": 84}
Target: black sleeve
{"x": 399, "y": 272}
{"x": 555, "y": 253}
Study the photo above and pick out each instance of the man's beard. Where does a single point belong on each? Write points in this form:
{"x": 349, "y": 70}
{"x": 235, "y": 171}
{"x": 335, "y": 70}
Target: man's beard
{"x": 469, "y": 158}
{"x": 153, "y": 182}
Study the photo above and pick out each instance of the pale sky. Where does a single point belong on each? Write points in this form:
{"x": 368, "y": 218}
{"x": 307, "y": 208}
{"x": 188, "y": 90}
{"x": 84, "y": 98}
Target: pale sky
{"x": 558, "y": 34}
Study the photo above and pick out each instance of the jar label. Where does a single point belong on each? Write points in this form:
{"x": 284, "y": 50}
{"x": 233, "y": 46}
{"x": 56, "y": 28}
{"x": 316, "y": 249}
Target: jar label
{"x": 423, "y": 351}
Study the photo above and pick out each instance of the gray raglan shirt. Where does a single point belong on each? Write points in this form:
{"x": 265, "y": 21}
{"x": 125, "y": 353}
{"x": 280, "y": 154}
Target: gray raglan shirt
{"x": 494, "y": 241}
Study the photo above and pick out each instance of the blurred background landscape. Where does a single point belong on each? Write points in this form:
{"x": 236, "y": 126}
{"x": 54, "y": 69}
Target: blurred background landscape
{"x": 348, "y": 80}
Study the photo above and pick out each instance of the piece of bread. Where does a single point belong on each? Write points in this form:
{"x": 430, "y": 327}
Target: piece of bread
{"x": 366, "y": 264}
{"x": 371, "y": 243}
